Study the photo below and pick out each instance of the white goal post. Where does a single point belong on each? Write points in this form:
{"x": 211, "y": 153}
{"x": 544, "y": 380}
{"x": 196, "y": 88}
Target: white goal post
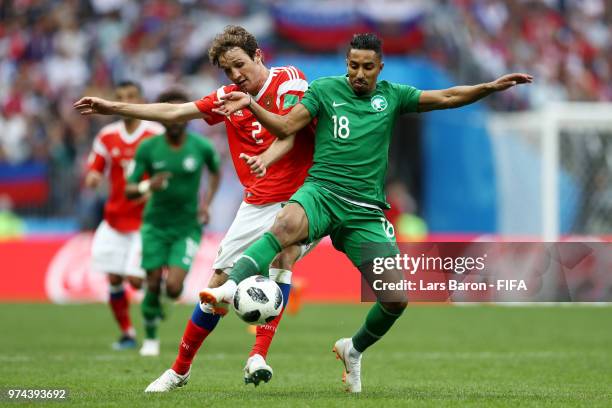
{"x": 540, "y": 134}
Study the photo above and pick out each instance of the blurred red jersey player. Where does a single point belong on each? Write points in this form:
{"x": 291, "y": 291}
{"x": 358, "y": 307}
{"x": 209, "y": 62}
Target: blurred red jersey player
{"x": 116, "y": 243}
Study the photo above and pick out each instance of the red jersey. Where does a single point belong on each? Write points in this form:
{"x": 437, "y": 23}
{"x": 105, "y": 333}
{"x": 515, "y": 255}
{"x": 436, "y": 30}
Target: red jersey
{"x": 112, "y": 151}
{"x": 282, "y": 90}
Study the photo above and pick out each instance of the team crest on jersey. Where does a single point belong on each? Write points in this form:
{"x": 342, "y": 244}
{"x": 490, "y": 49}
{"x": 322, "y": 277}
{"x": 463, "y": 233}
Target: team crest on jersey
{"x": 189, "y": 163}
{"x": 267, "y": 101}
{"x": 379, "y": 103}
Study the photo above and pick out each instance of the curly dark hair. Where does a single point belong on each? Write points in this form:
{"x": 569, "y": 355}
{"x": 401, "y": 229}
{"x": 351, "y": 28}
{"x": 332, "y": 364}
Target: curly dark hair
{"x": 232, "y": 36}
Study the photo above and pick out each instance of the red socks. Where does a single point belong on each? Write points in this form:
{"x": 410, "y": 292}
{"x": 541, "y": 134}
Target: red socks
{"x": 120, "y": 306}
{"x": 193, "y": 336}
{"x": 264, "y": 336}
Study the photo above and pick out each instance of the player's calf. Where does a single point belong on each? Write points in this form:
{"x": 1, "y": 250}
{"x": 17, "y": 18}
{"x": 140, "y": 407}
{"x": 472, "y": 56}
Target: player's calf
{"x": 395, "y": 307}
{"x": 152, "y": 313}
{"x": 119, "y": 305}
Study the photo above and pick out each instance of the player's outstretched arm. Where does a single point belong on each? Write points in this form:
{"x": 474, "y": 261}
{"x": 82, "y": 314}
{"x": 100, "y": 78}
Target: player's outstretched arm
{"x": 464, "y": 95}
{"x": 259, "y": 164}
{"x": 282, "y": 126}
{"x": 160, "y": 112}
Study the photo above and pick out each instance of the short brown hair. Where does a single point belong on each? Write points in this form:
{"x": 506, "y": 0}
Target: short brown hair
{"x": 232, "y": 36}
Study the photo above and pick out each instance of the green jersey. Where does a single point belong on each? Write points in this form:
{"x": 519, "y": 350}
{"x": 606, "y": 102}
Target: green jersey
{"x": 353, "y": 134}
{"x": 176, "y": 206}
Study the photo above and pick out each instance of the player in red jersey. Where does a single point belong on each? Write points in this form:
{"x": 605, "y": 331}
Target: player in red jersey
{"x": 116, "y": 243}
{"x": 236, "y": 52}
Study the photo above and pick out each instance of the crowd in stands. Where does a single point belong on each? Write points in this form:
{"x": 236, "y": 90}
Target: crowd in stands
{"x": 565, "y": 44}
{"x": 52, "y": 52}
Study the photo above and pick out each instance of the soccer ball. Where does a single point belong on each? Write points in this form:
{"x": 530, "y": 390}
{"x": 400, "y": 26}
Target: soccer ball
{"x": 258, "y": 300}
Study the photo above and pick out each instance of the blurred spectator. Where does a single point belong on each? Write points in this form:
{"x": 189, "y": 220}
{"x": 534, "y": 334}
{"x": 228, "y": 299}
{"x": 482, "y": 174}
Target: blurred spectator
{"x": 53, "y": 51}
{"x": 403, "y": 213}
{"x": 565, "y": 44}
{"x": 14, "y": 147}
{"x": 11, "y": 226}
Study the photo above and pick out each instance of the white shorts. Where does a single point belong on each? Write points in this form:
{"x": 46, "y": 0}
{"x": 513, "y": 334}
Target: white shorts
{"x": 116, "y": 252}
{"x": 251, "y": 222}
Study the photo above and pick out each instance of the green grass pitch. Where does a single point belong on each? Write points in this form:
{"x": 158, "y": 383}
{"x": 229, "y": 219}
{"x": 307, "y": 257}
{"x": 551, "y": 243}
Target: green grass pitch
{"x": 434, "y": 356}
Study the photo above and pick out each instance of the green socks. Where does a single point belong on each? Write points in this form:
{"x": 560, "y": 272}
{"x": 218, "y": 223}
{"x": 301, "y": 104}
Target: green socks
{"x": 151, "y": 312}
{"x": 257, "y": 258}
{"x": 378, "y": 322}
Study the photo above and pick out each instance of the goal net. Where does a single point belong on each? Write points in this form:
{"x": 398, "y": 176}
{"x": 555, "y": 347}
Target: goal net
{"x": 554, "y": 170}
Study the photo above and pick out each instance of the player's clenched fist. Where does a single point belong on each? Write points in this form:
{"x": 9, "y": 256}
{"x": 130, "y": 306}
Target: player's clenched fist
{"x": 90, "y": 105}
{"x": 256, "y": 164}
{"x": 159, "y": 181}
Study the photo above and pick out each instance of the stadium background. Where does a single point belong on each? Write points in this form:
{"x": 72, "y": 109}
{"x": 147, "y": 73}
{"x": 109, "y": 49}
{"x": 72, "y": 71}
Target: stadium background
{"x": 530, "y": 164}
{"x": 454, "y": 175}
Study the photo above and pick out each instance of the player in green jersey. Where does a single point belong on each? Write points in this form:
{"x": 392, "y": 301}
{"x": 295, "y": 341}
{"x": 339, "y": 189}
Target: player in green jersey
{"x": 343, "y": 196}
{"x": 173, "y": 219}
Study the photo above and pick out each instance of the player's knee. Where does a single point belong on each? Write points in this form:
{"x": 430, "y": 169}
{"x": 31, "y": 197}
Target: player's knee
{"x": 135, "y": 282}
{"x": 115, "y": 279}
{"x": 174, "y": 289}
{"x": 218, "y": 278}
{"x": 285, "y": 228}
{"x": 395, "y": 307}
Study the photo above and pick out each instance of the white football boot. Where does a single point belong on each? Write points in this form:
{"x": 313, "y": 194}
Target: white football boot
{"x": 168, "y": 381}
{"x": 150, "y": 348}
{"x": 219, "y": 298}
{"x": 351, "y": 359}
{"x": 256, "y": 370}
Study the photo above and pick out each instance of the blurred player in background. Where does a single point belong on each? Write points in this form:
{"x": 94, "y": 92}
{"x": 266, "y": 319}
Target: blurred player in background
{"x": 278, "y": 89}
{"x": 173, "y": 217}
{"x": 344, "y": 194}
{"x": 116, "y": 243}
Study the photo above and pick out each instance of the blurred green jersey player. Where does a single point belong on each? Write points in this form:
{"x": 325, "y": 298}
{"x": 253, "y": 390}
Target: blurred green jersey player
{"x": 173, "y": 217}
{"x": 343, "y": 196}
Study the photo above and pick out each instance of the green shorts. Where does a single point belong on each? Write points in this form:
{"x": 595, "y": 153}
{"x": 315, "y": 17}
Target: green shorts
{"x": 164, "y": 247}
{"x": 352, "y": 228}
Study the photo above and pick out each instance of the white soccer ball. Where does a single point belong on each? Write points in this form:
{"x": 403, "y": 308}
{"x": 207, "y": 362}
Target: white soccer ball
{"x": 258, "y": 300}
